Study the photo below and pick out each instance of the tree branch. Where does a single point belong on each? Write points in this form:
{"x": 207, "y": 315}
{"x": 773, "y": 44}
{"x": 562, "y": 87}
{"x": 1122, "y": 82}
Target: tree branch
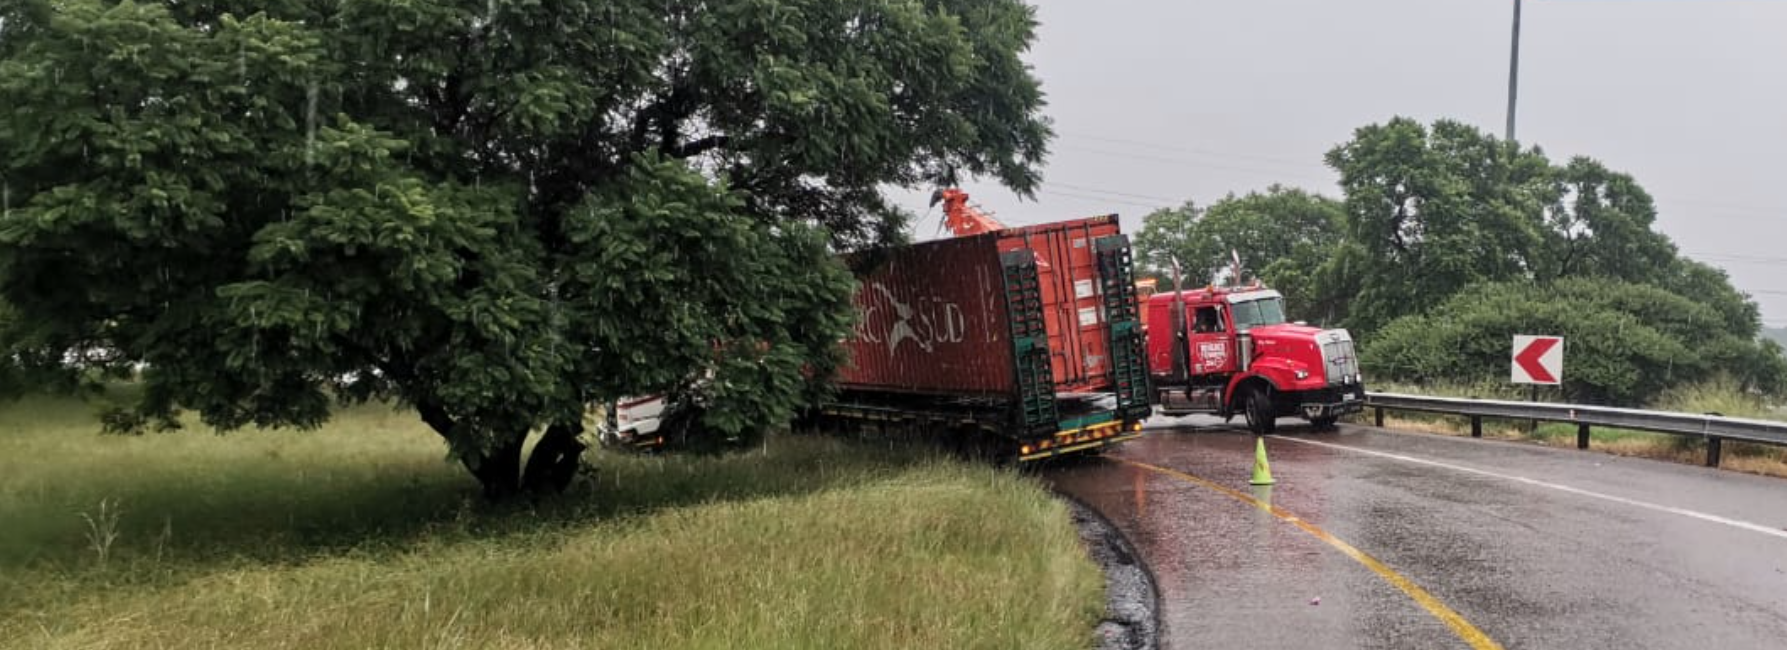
{"x": 666, "y": 115}
{"x": 698, "y": 147}
{"x": 437, "y": 418}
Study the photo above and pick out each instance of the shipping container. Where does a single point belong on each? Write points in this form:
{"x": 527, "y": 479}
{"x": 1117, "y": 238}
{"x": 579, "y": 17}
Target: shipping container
{"x": 1031, "y": 334}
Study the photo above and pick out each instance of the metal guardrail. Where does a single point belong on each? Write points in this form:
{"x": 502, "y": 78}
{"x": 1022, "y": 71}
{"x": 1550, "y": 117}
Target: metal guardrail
{"x": 1712, "y": 427}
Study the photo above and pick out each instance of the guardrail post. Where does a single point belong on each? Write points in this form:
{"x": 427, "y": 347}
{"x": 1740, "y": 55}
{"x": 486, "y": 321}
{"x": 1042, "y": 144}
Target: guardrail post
{"x": 1476, "y": 426}
{"x": 1712, "y": 450}
{"x": 1582, "y": 436}
{"x": 1380, "y": 417}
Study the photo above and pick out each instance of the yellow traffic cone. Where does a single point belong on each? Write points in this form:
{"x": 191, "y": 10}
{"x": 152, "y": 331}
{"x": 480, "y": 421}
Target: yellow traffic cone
{"x": 1262, "y": 470}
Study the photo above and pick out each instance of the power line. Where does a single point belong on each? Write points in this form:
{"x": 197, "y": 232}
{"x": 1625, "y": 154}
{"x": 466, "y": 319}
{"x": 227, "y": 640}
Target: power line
{"x": 1079, "y": 188}
{"x": 1193, "y": 163}
{"x": 1101, "y": 199}
{"x": 1765, "y": 210}
{"x": 1734, "y": 258}
{"x": 1683, "y": 215}
{"x": 1192, "y": 150}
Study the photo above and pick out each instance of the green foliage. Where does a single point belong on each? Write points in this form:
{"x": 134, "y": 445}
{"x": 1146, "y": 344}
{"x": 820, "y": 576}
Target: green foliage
{"x": 1600, "y": 225}
{"x": 493, "y": 211}
{"x": 1711, "y": 286}
{"x": 1429, "y": 212}
{"x": 1625, "y": 342}
{"x": 1282, "y": 235}
{"x": 1173, "y": 234}
{"x": 753, "y": 338}
{"x": 1571, "y": 250}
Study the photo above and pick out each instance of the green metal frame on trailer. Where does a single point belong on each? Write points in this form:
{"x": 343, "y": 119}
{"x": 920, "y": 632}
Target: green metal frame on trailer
{"x": 1036, "y": 412}
{"x": 1123, "y": 318}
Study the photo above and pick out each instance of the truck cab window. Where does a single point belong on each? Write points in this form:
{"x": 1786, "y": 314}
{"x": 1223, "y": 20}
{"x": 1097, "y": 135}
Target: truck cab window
{"x": 1208, "y": 319}
{"x": 1254, "y": 313}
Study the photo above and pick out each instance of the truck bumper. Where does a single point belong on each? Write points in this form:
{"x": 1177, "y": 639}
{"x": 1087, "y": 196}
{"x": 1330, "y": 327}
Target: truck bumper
{"x": 1331, "y": 402}
{"x": 1081, "y": 439}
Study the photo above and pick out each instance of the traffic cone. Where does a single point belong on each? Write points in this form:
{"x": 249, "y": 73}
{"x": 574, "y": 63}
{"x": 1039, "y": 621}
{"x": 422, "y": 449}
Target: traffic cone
{"x": 1262, "y": 470}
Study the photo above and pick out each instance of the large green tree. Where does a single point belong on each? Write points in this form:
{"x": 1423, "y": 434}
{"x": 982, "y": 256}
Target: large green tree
{"x": 1429, "y": 212}
{"x": 1600, "y": 223}
{"x": 493, "y": 211}
{"x": 1172, "y": 235}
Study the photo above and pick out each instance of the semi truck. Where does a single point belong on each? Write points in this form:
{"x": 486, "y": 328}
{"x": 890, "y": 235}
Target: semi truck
{"x": 1228, "y": 350}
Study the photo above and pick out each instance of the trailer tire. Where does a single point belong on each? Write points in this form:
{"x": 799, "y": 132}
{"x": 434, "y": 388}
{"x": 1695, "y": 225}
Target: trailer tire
{"x": 1261, "y": 416}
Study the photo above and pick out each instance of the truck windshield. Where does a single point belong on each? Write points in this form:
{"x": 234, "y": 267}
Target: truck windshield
{"x": 1253, "y": 313}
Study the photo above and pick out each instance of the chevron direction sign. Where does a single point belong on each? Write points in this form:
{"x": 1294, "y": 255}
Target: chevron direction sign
{"x": 1539, "y": 360}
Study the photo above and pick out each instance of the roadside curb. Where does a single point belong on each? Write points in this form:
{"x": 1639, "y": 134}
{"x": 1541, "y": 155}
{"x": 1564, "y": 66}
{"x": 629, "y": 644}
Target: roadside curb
{"x": 1132, "y": 600}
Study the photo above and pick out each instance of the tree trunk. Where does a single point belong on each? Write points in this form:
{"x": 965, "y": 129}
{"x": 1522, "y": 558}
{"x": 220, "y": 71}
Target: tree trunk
{"x": 499, "y": 469}
{"x": 555, "y": 459}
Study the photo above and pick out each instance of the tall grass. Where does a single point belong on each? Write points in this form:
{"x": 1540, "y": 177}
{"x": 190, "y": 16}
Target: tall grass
{"x": 1722, "y": 395}
{"x": 362, "y": 535}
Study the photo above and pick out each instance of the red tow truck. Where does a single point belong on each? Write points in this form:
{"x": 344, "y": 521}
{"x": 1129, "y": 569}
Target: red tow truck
{"x": 1228, "y": 350}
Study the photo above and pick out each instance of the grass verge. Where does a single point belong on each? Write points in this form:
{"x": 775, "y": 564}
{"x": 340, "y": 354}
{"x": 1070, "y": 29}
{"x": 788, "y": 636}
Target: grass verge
{"x": 361, "y": 535}
{"x": 1718, "y": 396}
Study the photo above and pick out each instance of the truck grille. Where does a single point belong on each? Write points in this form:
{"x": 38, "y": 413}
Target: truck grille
{"x": 1338, "y": 358}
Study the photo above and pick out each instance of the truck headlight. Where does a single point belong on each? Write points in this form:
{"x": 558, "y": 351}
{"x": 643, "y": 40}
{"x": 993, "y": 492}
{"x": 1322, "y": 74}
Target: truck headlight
{"x": 1302, "y": 374}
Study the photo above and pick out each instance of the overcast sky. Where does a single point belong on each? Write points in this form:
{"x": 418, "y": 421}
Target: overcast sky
{"x": 1159, "y": 101}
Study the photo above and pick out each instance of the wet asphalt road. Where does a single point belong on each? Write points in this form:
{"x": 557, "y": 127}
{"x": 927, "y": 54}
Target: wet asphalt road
{"x": 1629, "y": 553}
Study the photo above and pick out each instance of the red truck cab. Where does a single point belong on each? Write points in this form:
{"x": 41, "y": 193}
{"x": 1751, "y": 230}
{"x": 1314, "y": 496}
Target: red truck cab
{"x": 1230, "y": 351}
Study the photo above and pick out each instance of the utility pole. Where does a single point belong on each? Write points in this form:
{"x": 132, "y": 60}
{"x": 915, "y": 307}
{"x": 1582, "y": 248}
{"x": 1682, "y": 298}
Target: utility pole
{"x": 1513, "y": 70}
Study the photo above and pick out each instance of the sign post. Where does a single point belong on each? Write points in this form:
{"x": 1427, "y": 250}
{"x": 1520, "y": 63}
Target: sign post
{"x": 1539, "y": 361}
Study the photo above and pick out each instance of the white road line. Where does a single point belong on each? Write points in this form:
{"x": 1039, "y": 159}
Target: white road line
{"x": 1734, "y": 523}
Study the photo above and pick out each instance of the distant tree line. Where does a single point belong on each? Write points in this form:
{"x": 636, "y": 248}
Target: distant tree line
{"x": 1448, "y": 241}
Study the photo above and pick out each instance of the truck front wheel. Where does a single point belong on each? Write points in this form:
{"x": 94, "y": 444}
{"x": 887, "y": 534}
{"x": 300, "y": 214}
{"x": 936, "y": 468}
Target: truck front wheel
{"x": 1261, "y": 416}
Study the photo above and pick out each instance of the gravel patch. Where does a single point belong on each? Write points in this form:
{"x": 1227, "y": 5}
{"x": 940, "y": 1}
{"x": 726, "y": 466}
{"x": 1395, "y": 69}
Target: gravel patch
{"x": 1132, "y": 604}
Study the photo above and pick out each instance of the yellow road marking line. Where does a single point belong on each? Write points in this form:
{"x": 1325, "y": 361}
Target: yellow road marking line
{"x": 1463, "y": 628}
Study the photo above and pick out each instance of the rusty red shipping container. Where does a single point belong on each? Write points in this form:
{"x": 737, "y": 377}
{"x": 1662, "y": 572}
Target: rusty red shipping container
{"x": 935, "y": 317}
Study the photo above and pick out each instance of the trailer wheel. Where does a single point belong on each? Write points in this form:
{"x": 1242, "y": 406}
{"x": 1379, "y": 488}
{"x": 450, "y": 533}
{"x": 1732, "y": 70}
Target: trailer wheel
{"x": 1261, "y": 417}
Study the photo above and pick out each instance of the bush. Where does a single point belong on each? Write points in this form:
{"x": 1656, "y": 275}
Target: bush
{"x": 1625, "y": 343}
